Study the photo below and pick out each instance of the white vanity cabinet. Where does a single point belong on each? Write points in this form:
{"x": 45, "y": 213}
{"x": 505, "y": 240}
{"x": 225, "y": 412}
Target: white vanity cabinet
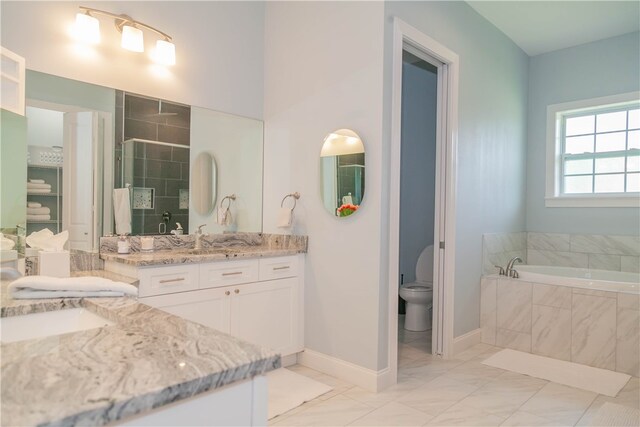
{"x": 257, "y": 300}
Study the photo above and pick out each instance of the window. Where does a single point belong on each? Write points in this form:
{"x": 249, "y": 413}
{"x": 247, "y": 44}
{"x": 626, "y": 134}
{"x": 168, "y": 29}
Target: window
{"x": 594, "y": 152}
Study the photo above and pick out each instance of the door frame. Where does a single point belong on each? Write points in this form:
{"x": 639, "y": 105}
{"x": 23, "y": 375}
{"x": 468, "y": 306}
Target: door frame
{"x": 448, "y": 65}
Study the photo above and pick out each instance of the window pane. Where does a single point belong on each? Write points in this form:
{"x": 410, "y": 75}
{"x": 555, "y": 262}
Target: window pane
{"x": 612, "y": 121}
{"x": 612, "y": 164}
{"x": 609, "y": 183}
{"x": 579, "y": 125}
{"x": 577, "y": 184}
{"x": 611, "y": 142}
{"x": 634, "y": 119}
{"x": 633, "y": 164}
{"x": 634, "y": 139}
{"x": 633, "y": 182}
{"x": 578, "y": 167}
{"x": 579, "y": 145}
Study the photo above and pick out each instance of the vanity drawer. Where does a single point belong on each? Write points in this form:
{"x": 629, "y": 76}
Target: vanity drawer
{"x": 279, "y": 267}
{"x": 225, "y": 273}
{"x": 167, "y": 280}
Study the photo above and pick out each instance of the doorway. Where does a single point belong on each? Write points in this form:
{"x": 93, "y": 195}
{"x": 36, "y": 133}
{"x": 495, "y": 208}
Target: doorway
{"x": 408, "y": 39}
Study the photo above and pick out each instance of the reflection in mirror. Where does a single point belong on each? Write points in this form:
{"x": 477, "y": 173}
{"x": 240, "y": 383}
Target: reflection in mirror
{"x": 203, "y": 179}
{"x": 342, "y": 172}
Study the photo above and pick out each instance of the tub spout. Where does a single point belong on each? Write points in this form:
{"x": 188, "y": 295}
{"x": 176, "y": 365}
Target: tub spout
{"x": 509, "y": 271}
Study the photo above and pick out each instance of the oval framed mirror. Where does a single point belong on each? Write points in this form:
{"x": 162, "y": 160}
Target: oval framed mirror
{"x": 342, "y": 172}
{"x": 204, "y": 183}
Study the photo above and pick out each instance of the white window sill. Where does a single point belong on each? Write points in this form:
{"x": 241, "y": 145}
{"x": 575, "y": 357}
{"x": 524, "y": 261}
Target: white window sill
{"x": 601, "y": 201}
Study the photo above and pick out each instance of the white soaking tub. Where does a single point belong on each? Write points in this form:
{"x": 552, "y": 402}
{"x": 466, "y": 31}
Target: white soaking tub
{"x": 601, "y": 280}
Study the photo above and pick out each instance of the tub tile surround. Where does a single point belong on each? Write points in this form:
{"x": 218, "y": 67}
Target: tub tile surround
{"x": 601, "y": 252}
{"x": 595, "y": 328}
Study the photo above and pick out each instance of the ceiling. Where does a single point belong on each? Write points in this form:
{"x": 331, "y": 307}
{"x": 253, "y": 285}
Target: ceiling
{"x": 544, "y": 26}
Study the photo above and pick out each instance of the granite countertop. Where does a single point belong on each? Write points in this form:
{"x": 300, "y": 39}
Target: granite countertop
{"x": 188, "y": 256}
{"x": 149, "y": 358}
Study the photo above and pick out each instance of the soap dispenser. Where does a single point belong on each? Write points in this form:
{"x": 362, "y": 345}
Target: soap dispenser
{"x": 124, "y": 246}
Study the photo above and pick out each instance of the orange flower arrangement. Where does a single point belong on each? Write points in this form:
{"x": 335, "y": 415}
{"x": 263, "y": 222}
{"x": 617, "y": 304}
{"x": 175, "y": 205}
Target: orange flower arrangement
{"x": 347, "y": 209}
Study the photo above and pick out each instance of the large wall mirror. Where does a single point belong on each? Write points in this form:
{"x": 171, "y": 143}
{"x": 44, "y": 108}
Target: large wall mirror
{"x": 82, "y": 141}
{"x": 342, "y": 170}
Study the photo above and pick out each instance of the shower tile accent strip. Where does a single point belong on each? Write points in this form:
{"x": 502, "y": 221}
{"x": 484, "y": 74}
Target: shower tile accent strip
{"x": 595, "y": 328}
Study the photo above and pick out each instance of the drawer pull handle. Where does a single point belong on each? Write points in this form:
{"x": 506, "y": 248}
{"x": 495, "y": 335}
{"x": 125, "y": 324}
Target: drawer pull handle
{"x": 180, "y": 279}
{"x": 281, "y": 268}
{"x": 237, "y": 291}
{"x": 235, "y": 273}
{"x": 227, "y": 293}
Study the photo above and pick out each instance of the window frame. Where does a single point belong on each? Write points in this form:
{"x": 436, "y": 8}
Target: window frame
{"x": 556, "y": 115}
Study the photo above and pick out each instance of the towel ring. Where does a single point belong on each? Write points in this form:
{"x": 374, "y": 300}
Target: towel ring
{"x": 295, "y": 196}
{"x": 229, "y": 199}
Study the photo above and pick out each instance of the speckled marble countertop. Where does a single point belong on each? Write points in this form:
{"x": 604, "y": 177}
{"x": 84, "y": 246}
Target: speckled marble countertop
{"x": 147, "y": 359}
{"x": 188, "y": 256}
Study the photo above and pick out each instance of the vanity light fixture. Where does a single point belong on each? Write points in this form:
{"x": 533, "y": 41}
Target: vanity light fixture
{"x": 87, "y": 29}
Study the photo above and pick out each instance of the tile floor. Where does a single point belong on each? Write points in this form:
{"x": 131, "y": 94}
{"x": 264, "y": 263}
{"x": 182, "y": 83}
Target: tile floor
{"x": 457, "y": 392}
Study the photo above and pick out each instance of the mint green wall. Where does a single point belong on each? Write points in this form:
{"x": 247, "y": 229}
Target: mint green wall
{"x": 13, "y": 173}
{"x": 592, "y": 70}
{"x": 492, "y": 133}
{"x": 60, "y": 90}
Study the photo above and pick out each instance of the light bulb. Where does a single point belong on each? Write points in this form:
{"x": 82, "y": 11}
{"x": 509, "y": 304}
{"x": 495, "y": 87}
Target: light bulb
{"x": 87, "y": 28}
{"x": 132, "y": 39}
{"x": 165, "y": 53}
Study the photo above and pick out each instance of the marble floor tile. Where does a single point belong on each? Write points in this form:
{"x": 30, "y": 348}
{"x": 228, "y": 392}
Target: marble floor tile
{"x": 474, "y": 373}
{"x": 393, "y": 414}
{"x": 376, "y": 400}
{"x": 593, "y": 323}
{"x": 337, "y": 411}
{"x": 461, "y": 415}
{"x": 560, "y": 403}
{"x": 477, "y": 352}
{"x": 427, "y": 369}
{"x": 525, "y": 419}
{"x": 628, "y": 396}
{"x": 437, "y": 396}
{"x": 551, "y": 332}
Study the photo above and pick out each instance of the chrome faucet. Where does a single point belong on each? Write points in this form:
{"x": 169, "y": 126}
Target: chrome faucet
{"x": 199, "y": 235}
{"x": 509, "y": 271}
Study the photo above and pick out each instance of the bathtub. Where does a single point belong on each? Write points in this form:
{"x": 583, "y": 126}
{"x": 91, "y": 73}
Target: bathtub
{"x": 601, "y": 280}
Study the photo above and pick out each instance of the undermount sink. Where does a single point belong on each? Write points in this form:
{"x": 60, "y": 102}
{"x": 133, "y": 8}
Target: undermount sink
{"x": 50, "y": 323}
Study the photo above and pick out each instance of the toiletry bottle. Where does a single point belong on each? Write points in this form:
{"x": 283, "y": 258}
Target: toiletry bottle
{"x": 124, "y": 246}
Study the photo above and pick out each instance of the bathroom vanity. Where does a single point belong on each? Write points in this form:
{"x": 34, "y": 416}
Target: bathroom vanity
{"x": 254, "y": 292}
{"x": 148, "y": 368}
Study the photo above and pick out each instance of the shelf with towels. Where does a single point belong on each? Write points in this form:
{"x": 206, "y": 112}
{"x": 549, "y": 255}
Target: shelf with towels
{"x": 44, "y": 194}
{"x": 48, "y": 221}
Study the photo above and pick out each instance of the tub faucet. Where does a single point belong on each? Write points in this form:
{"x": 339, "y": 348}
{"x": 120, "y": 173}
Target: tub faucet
{"x": 199, "y": 235}
{"x": 509, "y": 271}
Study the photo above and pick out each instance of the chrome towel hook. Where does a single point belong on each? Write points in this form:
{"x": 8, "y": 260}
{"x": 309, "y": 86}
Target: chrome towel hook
{"x": 295, "y": 196}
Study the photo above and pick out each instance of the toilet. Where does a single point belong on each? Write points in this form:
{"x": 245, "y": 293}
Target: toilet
{"x": 419, "y": 294}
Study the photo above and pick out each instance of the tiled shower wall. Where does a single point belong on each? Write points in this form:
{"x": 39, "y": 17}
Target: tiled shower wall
{"x": 163, "y": 168}
{"x": 617, "y": 253}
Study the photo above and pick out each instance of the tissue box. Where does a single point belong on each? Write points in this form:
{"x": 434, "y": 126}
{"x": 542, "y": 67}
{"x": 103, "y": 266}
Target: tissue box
{"x": 55, "y": 264}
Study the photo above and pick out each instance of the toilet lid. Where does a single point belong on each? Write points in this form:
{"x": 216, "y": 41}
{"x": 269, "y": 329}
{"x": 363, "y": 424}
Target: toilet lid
{"x": 424, "y": 266}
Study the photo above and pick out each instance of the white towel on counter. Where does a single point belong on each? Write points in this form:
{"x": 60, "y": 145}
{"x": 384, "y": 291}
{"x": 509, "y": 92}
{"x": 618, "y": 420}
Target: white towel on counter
{"x": 36, "y": 287}
{"x": 38, "y": 190}
{"x": 34, "y": 186}
{"x": 38, "y": 217}
{"x": 37, "y": 181}
{"x": 122, "y": 210}
{"x": 38, "y": 211}
{"x": 34, "y": 205}
{"x": 285, "y": 217}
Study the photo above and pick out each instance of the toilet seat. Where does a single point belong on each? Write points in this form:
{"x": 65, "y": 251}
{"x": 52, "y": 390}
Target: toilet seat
{"x": 418, "y": 286}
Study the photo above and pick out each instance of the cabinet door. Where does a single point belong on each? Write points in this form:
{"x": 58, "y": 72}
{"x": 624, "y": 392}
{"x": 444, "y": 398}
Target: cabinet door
{"x": 266, "y": 313}
{"x": 208, "y": 307}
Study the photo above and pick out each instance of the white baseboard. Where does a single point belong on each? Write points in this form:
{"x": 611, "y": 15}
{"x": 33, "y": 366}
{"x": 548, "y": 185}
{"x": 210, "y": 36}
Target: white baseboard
{"x": 466, "y": 341}
{"x": 289, "y": 360}
{"x": 368, "y": 379}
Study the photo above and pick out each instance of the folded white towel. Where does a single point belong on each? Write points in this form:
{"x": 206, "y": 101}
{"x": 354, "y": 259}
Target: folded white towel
{"x": 38, "y": 217}
{"x": 285, "y": 217}
{"x": 34, "y": 205}
{"x": 122, "y": 210}
{"x": 32, "y": 186}
{"x": 35, "y": 287}
{"x": 38, "y": 211}
{"x": 38, "y": 190}
{"x": 37, "y": 181}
